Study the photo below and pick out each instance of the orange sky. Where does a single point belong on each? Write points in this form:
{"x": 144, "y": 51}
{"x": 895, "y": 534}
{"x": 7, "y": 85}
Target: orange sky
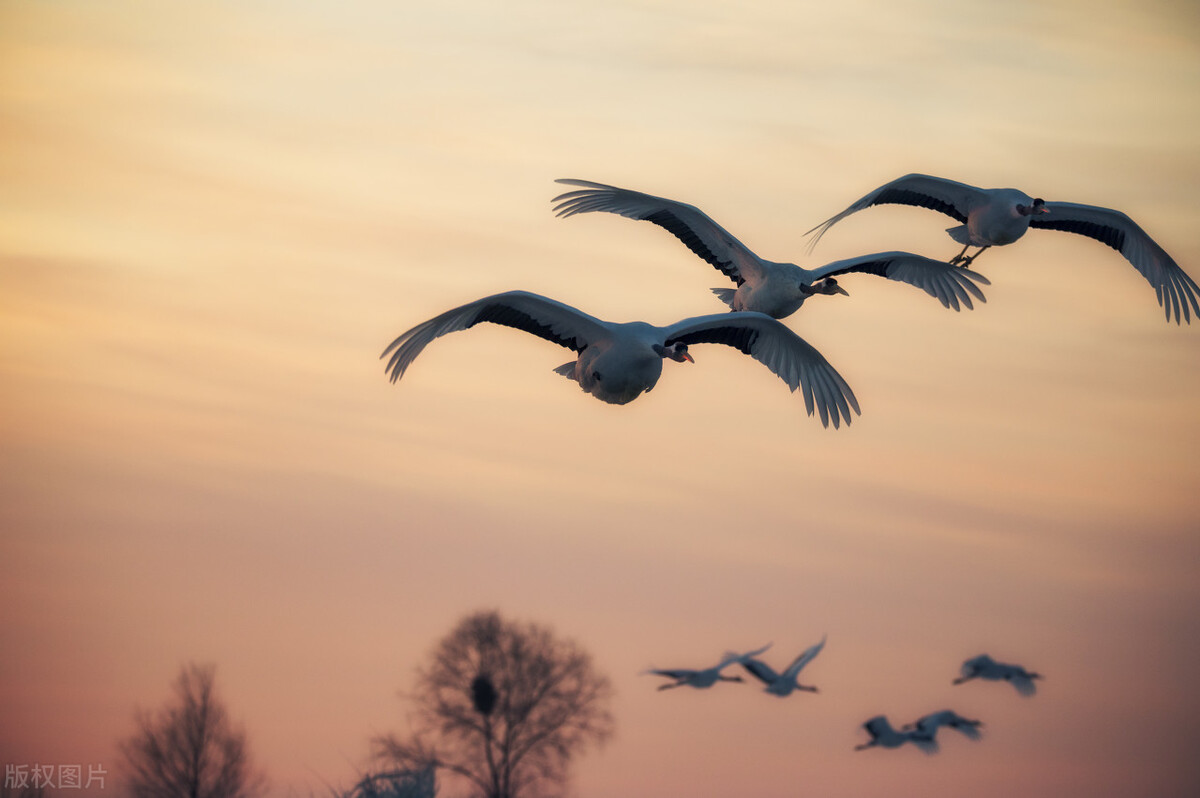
{"x": 214, "y": 217}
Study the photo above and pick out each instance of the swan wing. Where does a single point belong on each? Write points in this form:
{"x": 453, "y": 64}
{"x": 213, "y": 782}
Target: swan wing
{"x": 976, "y": 665}
{"x": 761, "y": 671}
{"x": 805, "y": 657}
{"x": 924, "y": 191}
{"x": 1021, "y": 680}
{"x": 1175, "y": 289}
{"x": 877, "y": 726}
{"x": 699, "y": 233}
{"x": 730, "y": 657}
{"x": 786, "y": 354}
{"x": 535, "y": 314}
{"x": 951, "y": 285}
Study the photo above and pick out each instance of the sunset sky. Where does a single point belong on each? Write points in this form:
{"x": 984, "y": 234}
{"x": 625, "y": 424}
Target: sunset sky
{"x": 214, "y": 217}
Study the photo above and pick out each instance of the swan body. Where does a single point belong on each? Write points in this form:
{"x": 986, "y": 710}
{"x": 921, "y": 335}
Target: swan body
{"x": 991, "y": 217}
{"x": 984, "y": 667}
{"x": 929, "y": 724}
{"x": 883, "y": 735}
{"x": 705, "y": 677}
{"x": 782, "y": 684}
{"x": 775, "y": 288}
{"x": 617, "y": 362}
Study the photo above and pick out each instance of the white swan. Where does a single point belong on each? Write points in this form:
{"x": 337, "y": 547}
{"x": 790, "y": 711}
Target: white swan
{"x": 777, "y": 289}
{"x": 997, "y": 216}
{"x": 984, "y": 667}
{"x": 782, "y": 684}
{"x": 617, "y": 362}
{"x": 929, "y": 724}
{"x": 884, "y": 736}
{"x": 705, "y": 677}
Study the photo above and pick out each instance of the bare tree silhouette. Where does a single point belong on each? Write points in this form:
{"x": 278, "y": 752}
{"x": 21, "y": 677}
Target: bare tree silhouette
{"x": 504, "y": 706}
{"x": 189, "y": 749}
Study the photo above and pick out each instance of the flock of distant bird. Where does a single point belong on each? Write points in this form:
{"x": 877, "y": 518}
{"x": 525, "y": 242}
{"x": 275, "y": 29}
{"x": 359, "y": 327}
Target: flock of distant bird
{"x": 617, "y": 362}
{"x": 922, "y": 732}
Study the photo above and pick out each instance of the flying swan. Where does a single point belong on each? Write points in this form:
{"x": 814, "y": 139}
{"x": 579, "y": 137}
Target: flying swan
{"x": 777, "y": 289}
{"x": 991, "y": 217}
{"x": 706, "y": 677}
{"x": 617, "y": 362}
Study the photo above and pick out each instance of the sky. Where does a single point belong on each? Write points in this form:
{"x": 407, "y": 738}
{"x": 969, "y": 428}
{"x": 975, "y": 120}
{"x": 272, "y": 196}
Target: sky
{"x": 214, "y": 217}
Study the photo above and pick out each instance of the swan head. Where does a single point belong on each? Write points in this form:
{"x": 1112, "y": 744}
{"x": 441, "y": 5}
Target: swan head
{"x": 830, "y": 286}
{"x": 676, "y": 351}
{"x": 1038, "y": 206}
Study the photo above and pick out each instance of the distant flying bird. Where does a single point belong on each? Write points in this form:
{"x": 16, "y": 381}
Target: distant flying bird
{"x": 929, "y": 724}
{"x": 884, "y": 736}
{"x": 782, "y": 684}
{"x": 619, "y": 361}
{"x": 997, "y": 216}
{"x": 708, "y": 676}
{"x": 984, "y": 667}
{"x": 777, "y": 289}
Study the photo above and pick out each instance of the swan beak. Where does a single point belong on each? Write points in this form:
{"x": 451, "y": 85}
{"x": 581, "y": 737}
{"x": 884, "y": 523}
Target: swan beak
{"x": 837, "y": 289}
{"x": 688, "y": 357}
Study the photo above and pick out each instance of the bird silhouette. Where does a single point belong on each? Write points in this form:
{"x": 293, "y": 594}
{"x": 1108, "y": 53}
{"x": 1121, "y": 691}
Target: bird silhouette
{"x": 883, "y": 735}
{"x": 782, "y": 684}
{"x": 777, "y": 289}
{"x": 929, "y": 724}
{"x": 998, "y": 216}
{"x": 984, "y": 667}
{"x": 706, "y": 677}
{"x": 617, "y": 362}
